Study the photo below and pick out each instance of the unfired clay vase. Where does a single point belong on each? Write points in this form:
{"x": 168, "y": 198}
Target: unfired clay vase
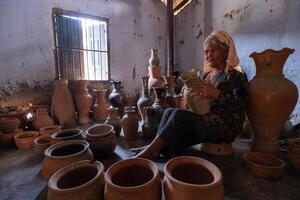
{"x": 77, "y": 181}
{"x": 100, "y": 108}
{"x": 83, "y": 101}
{"x": 170, "y": 83}
{"x": 66, "y": 134}
{"x": 154, "y": 60}
{"x": 42, "y": 119}
{"x": 117, "y": 97}
{"x": 191, "y": 178}
{"x": 114, "y": 120}
{"x": 62, "y": 154}
{"x": 24, "y": 140}
{"x": 144, "y": 99}
{"x": 130, "y": 124}
{"x": 133, "y": 179}
{"x": 63, "y": 108}
{"x": 272, "y": 98}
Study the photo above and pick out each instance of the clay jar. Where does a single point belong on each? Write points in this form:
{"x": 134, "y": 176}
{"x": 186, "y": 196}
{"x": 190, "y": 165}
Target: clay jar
{"x": 66, "y": 134}
{"x": 272, "y": 98}
{"x": 114, "y": 120}
{"x": 189, "y": 177}
{"x": 42, "y": 118}
{"x": 41, "y": 143}
{"x": 170, "y": 83}
{"x": 160, "y": 104}
{"x": 100, "y": 108}
{"x": 130, "y": 124}
{"x": 49, "y": 130}
{"x": 79, "y": 180}
{"x": 62, "y": 108}
{"x": 83, "y": 101}
{"x": 24, "y": 140}
{"x": 150, "y": 125}
{"x": 133, "y": 179}
{"x": 117, "y": 97}
{"x": 102, "y": 139}
{"x": 62, "y": 154}
{"x": 144, "y": 99}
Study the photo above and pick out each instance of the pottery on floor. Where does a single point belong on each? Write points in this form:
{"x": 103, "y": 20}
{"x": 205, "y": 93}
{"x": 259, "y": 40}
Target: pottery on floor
{"x": 66, "y": 134}
{"x": 41, "y": 143}
{"x": 24, "y": 140}
{"x": 49, "y": 130}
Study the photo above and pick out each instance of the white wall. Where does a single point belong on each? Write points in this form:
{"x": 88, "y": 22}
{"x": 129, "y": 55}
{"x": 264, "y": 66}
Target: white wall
{"x": 255, "y": 26}
{"x": 26, "y": 38}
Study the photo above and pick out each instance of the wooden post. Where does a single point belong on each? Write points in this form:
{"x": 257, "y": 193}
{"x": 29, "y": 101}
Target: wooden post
{"x": 170, "y": 42}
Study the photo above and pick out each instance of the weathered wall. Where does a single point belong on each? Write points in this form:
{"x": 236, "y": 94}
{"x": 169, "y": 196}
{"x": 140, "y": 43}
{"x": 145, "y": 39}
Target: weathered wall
{"x": 254, "y": 25}
{"x": 26, "y": 36}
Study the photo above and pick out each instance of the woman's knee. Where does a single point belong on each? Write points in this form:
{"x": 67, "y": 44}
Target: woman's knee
{"x": 169, "y": 111}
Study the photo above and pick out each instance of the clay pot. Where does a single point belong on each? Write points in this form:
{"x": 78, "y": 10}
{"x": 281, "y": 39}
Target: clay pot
{"x": 114, "y": 120}
{"x": 130, "y": 124}
{"x": 144, "y": 100}
{"x": 62, "y": 108}
{"x": 41, "y": 143}
{"x": 272, "y": 98}
{"x": 294, "y": 145}
{"x": 42, "y": 119}
{"x": 7, "y": 139}
{"x": 133, "y": 179}
{"x": 49, "y": 130}
{"x": 264, "y": 165}
{"x": 150, "y": 125}
{"x": 154, "y": 60}
{"x": 295, "y": 160}
{"x": 9, "y": 124}
{"x": 117, "y": 97}
{"x": 79, "y": 180}
{"x": 62, "y": 154}
{"x": 100, "y": 108}
{"x": 24, "y": 140}
{"x": 66, "y": 134}
{"x": 169, "y": 84}
{"x": 191, "y": 177}
{"x": 102, "y": 139}
{"x": 160, "y": 104}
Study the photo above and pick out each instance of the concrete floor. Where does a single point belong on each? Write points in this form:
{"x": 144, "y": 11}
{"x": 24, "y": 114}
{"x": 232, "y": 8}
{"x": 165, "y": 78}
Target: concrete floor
{"x": 20, "y": 173}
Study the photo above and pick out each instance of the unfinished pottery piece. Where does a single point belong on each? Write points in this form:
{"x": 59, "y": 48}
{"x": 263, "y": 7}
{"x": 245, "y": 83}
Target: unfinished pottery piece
{"x": 77, "y": 181}
{"x": 49, "y": 130}
{"x": 100, "y": 108}
{"x": 154, "y": 60}
{"x": 130, "y": 124}
{"x": 189, "y": 177}
{"x": 62, "y": 154}
{"x": 169, "y": 85}
{"x": 66, "y": 134}
{"x": 144, "y": 99}
{"x": 133, "y": 179}
{"x": 272, "y": 98}
{"x": 24, "y": 140}
{"x": 41, "y": 143}
{"x": 264, "y": 165}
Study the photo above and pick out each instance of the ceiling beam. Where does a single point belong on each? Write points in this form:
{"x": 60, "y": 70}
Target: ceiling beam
{"x": 170, "y": 38}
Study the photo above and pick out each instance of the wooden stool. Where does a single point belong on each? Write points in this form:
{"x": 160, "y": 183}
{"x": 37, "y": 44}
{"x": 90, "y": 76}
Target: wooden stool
{"x": 222, "y": 149}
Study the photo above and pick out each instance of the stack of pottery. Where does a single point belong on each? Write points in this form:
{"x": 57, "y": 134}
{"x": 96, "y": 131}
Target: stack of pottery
{"x": 66, "y": 134}
{"x": 130, "y": 124}
{"x": 155, "y": 79}
{"x": 117, "y": 97}
{"x": 62, "y": 154}
{"x": 294, "y": 152}
{"x": 49, "y": 130}
{"x": 114, "y": 120}
{"x": 42, "y": 118}
{"x": 41, "y": 143}
{"x": 133, "y": 179}
{"x": 100, "y": 108}
{"x": 144, "y": 99}
{"x": 83, "y": 101}
{"x": 102, "y": 139}
{"x": 79, "y": 180}
{"x": 24, "y": 140}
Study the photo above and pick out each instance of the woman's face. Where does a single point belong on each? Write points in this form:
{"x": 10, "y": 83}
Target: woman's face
{"x": 215, "y": 56}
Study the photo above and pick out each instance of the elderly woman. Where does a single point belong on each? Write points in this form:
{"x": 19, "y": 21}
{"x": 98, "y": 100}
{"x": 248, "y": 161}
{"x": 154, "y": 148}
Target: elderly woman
{"x": 227, "y": 87}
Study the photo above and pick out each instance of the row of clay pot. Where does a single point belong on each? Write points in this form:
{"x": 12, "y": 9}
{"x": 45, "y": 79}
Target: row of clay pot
{"x": 294, "y": 152}
{"x": 185, "y": 178}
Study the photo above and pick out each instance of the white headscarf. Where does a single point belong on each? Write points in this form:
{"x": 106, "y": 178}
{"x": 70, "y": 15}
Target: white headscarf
{"x": 232, "y": 58}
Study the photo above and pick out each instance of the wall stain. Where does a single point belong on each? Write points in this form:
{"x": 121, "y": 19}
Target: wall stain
{"x": 199, "y": 34}
{"x": 198, "y": 2}
{"x": 181, "y": 41}
{"x": 230, "y": 15}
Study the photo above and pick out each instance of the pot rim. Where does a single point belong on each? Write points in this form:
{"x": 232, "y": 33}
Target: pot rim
{"x": 54, "y": 135}
{"x": 213, "y": 169}
{"x": 99, "y": 135}
{"x": 271, "y": 156}
{"x": 33, "y": 133}
{"x": 52, "y": 183}
{"x": 35, "y": 141}
{"x": 51, "y": 127}
{"x": 49, "y": 150}
{"x": 132, "y": 161}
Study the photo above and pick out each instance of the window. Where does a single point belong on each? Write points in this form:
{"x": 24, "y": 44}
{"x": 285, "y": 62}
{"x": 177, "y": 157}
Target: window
{"x": 81, "y": 46}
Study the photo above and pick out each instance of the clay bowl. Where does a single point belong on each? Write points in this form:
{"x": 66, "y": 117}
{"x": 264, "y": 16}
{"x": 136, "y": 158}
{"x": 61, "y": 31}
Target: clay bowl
{"x": 41, "y": 143}
{"x": 67, "y": 134}
{"x": 295, "y": 160}
{"x": 264, "y": 165}
{"x": 100, "y": 131}
{"x": 294, "y": 146}
{"x": 49, "y": 130}
{"x": 25, "y": 140}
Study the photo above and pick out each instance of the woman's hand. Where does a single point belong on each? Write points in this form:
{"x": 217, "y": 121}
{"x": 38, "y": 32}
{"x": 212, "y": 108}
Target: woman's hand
{"x": 205, "y": 89}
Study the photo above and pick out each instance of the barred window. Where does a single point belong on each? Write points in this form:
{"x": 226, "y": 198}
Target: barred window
{"x": 81, "y": 46}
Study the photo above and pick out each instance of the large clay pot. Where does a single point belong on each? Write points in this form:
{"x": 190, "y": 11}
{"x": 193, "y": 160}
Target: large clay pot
{"x": 133, "y": 179}
{"x": 83, "y": 101}
{"x": 272, "y": 98}
{"x": 62, "y": 108}
{"x": 24, "y": 140}
{"x": 197, "y": 103}
{"x": 66, "y": 134}
{"x": 114, "y": 120}
{"x": 100, "y": 108}
{"x": 117, "y": 97}
{"x": 77, "y": 181}
{"x": 42, "y": 119}
{"x": 144, "y": 100}
{"x": 192, "y": 178}
{"x": 62, "y": 154}
{"x": 130, "y": 124}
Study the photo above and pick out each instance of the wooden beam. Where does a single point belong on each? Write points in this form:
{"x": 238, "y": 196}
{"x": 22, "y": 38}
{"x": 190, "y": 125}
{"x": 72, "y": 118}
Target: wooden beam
{"x": 170, "y": 38}
{"x": 182, "y": 3}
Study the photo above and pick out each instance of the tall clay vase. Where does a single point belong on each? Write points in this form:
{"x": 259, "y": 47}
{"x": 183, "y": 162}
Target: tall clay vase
{"x": 62, "y": 108}
{"x": 150, "y": 125}
{"x": 130, "y": 124}
{"x": 144, "y": 100}
{"x": 117, "y": 97}
{"x": 170, "y": 83}
{"x": 83, "y": 101}
{"x": 160, "y": 104}
{"x": 272, "y": 98}
{"x": 42, "y": 119}
{"x": 100, "y": 108}
{"x": 154, "y": 60}
{"x": 114, "y": 120}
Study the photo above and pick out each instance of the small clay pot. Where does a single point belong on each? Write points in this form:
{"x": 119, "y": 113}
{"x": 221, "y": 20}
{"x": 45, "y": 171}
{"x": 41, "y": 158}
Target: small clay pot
{"x": 41, "y": 143}
{"x": 133, "y": 179}
{"x": 24, "y": 140}
{"x": 66, "y": 134}
{"x": 79, "y": 180}
{"x": 49, "y": 130}
{"x": 264, "y": 165}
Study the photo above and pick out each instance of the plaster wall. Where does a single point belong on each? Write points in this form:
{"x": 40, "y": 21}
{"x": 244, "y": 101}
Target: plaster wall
{"x": 254, "y": 25}
{"x": 26, "y": 38}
